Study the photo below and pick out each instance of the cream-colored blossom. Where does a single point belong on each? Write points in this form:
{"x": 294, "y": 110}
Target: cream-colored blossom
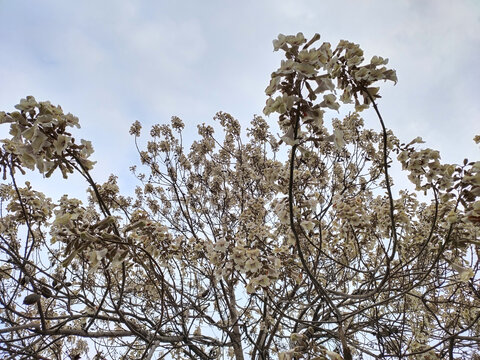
{"x": 329, "y": 101}
{"x": 253, "y": 265}
{"x": 338, "y": 139}
{"x": 279, "y": 42}
{"x": 452, "y": 217}
{"x": 27, "y": 104}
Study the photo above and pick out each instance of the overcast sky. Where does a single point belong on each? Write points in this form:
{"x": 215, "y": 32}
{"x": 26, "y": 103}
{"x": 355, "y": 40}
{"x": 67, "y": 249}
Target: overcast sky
{"x": 111, "y": 62}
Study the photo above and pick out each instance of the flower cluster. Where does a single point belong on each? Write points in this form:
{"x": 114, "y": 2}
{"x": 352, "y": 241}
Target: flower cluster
{"x": 315, "y": 69}
{"x": 39, "y": 138}
{"x": 424, "y": 167}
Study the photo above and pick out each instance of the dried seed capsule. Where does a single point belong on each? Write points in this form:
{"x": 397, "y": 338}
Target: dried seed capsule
{"x": 46, "y": 292}
{"x": 31, "y": 299}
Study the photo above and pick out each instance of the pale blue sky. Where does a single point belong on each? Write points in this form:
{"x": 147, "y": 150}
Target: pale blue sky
{"x": 112, "y": 62}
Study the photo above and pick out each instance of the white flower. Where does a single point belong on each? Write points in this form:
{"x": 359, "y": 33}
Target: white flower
{"x": 272, "y": 87}
{"x": 27, "y": 104}
{"x": 288, "y": 137}
{"x": 378, "y": 60}
{"x": 287, "y": 355}
{"x": 296, "y": 40}
{"x": 61, "y": 143}
{"x": 87, "y": 149}
{"x": 251, "y": 287}
{"x": 263, "y": 280}
{"x": 253, "y": 265}
{"x": 323, "y": 84}
{"x": 281, "y": 104}
{"x": 307, "y": 225}
{"x": 361, "y": 74}
{"x": 417, "y": 140}
{"x": 333, "y": 355}
{"x": 286, "y": 67}
{"x": 62, "y": 219}
{"x": 464, "y": 273}
{"x": 329, "y": 101}
{"x": 71, "y": 120}
{"x": 309, "y": 56}
{"x": 338, "y": 139}
{"x": 325, "y": 52}
{"x": 221, "y": 245}
{"x": 4, "y": 118}
{"x": 281, "y": 210}
{"x": 452, "y": 217}
{"x": 101, "y": 254}
{"x": 239, "y": 257}
{"x": 38, "y": 140}
{"x": 279, "y": 42}
{"x": 307, "y": 70}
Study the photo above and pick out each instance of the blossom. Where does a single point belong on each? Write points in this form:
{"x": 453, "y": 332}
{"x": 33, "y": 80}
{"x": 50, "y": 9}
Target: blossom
{"x": 87, "y": 148}
{"x": 61, "y": 143}
{"x": 272, "y": 87}
{"x": 135, "y": 128}
{"x": 38, "y": 141}
{"x": 305, "y": 69}
{"x": 308, "y": 225}
{"x": 466, "y": 274}
{"x": 27, "y": 104}
{"x": 288, "y": 138}
{"x": 361, "y": 74}
{"x": 253, "y": 265}
{"x": 280, "y": 104}
{"x": 310, "y": 56}
{"x": 286, "y": 355}
{"x": 27, "y": 157}
{"x": 338, "y": 139}
{"x": 329, "y": 101}
{"x": 4, "y": 118}
{"x": 325, "y": 52}
{"x": 281, "y": 210}
{"x": 221, "y": 245}
{"x": 417, "y": 140}
{"x": 279, "y": 42}
{"x": 251, "y": 287}
{"x": 177, "y": 123}
{"x": 239, "y": 257}
{"x": 346, "y": 96}
{"x": 71, "y": 120}
{"x": 286, "y": 67}
{"x": 296, "y": 40}
{"x": 452, "y": 217}
{"x": 62, "y": 219}
{"x": 263, "y": 280}
{"x": 378, "y": 60}
{"x": 323, "y": 84}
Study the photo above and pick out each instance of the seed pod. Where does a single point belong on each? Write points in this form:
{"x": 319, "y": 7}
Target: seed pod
{"x": 31, "y": 299}
{"x": 46, "y": 292}
{"x": 204, "y": 294}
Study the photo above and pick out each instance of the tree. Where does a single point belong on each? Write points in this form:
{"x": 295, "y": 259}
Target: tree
{"x": 228, "y": 252}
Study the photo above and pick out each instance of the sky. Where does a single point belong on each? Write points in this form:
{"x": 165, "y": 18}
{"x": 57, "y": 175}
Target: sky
{"x": 112, "y": 62}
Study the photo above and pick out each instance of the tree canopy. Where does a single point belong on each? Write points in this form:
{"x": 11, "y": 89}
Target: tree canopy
{"x": 232, "y": 249}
